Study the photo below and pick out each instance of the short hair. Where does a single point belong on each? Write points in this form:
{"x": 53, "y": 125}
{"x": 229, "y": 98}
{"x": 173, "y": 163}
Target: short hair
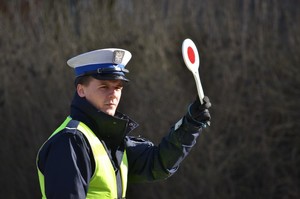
{"x": 84, "y": 80}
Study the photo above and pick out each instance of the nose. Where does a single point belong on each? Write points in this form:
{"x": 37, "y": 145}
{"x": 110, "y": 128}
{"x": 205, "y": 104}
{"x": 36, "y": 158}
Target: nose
{"x": 112, "y": 93}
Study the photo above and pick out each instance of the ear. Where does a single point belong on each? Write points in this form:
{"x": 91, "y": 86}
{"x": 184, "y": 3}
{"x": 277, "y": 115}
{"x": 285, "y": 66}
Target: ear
{"x": 80, "y": 90}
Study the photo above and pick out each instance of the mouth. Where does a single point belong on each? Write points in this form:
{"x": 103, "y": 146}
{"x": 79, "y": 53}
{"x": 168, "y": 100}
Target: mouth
{"x": 110, "y": 104}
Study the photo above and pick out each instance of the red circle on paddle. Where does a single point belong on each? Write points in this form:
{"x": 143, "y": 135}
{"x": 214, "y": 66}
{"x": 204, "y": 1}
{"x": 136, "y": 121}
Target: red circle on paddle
{"x": 191, "y": 54}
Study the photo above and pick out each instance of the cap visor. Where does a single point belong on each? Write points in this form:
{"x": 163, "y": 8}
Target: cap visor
{"x": 110, "y": 77}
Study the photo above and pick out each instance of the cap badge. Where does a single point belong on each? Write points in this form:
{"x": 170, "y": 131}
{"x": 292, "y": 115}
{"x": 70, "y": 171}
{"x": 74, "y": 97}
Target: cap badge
{"x": 118, "y": 56}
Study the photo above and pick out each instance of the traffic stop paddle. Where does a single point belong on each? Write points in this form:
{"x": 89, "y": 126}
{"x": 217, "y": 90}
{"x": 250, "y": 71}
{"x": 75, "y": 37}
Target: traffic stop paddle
{"x": 192, "y": 61}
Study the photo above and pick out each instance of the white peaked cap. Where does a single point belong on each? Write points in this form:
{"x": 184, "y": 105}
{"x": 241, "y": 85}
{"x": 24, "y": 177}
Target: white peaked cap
{"x": 106, "y": 63}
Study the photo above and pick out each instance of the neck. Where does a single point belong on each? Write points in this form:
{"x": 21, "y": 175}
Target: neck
{"x": 111, "y": 129}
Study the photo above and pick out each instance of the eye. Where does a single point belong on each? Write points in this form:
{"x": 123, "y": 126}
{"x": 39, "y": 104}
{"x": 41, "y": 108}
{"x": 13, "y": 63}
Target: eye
{"x": 119, "y": 87}
{"x": 103, "y": 87}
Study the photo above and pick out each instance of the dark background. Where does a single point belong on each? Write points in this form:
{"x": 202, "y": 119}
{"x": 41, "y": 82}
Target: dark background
{"x": 249, "y": 69}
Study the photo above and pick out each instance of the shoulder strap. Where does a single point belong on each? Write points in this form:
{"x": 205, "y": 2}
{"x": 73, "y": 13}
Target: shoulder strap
{"x": 73, "y": 124}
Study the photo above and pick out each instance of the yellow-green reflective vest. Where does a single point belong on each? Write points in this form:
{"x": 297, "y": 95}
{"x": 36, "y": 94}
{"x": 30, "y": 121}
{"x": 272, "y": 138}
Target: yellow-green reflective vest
{"x": 103, "y": 183}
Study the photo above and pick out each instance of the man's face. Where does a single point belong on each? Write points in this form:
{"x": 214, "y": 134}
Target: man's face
{"x": 102, "y": 94}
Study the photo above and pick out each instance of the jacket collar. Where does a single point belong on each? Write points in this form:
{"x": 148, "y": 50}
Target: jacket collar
{"x": 111, "y": 129}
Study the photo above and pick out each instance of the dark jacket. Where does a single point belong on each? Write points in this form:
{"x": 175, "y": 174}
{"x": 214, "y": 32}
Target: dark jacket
{"x": 67, "y": 162}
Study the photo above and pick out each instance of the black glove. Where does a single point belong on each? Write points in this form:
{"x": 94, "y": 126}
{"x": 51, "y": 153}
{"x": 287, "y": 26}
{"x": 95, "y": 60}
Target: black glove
{"x": 198, "y": 113}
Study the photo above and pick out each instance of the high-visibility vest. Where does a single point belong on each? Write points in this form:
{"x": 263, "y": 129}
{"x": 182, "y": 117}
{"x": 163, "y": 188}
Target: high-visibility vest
{"x": 103, "y": 183}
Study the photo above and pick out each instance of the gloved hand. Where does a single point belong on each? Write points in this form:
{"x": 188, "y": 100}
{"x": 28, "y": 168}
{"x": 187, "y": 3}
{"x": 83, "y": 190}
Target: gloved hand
{"x": 198, "y": 113}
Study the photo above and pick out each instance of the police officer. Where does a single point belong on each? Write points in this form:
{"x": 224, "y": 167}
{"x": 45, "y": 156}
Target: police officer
{"x": 91, "y": 154}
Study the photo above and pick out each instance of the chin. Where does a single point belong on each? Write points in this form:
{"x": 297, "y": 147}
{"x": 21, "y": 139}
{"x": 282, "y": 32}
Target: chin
{"x": 110, "y": 112}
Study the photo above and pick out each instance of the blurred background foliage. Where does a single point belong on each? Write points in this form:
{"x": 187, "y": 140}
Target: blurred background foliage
{"x": 249, "y": 68}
